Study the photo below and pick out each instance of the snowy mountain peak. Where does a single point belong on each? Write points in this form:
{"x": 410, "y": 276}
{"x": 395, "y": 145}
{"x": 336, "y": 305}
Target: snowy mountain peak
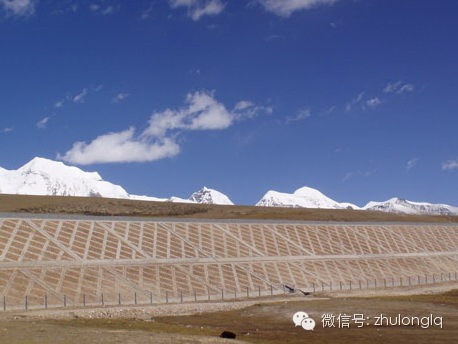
{"x": 210, "y": 196}
{"x": 51, "y": 167}
{"x": 309, "y": 192}
{"x": 305, "y": 197}
{"x": 400, "y": 205}
{"x": 47, "y": 177}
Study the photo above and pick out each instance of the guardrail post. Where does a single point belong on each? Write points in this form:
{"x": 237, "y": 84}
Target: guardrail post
{"x": 4, "y": 303}
{"x": 119, "y": 299}
{"x": 65, "y": 301}
{"x": 248, "y": 292}
{"x": 103, "y": 303}
{"x": 26, "y": 305}
{"x": 135, "y": 297}
{"x": 259, "y": 287}
{"x": 46, "y": 301}
{"x": 195, "y": 296}
{"x": 181, "y": 296}
{"x": 166, "y": 297}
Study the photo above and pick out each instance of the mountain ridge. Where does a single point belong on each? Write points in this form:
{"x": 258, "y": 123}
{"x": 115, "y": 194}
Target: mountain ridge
{"x": 42, "y": 176}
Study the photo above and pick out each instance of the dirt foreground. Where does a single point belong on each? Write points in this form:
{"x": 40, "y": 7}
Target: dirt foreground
{"x": 263, "y": 320}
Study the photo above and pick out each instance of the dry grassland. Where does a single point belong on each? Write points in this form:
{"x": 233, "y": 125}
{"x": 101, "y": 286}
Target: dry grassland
{"x": 119, "y": 207}
{"x": 261, "y": 321}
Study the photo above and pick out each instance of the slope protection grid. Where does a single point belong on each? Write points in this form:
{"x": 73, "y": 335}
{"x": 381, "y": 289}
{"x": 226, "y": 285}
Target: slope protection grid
{"x": 89, "y": 261}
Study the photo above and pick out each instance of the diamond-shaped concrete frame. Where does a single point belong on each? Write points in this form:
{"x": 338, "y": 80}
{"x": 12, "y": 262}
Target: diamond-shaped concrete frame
{"x": 89, "y": 261}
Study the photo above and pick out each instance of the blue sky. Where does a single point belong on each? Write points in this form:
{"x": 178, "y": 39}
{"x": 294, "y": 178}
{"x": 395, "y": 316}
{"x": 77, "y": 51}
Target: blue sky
{"x": 357, "y": 98}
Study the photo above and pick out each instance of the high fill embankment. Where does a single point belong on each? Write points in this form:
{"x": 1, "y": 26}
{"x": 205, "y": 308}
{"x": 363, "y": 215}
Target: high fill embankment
{"x": 93, "y": 260}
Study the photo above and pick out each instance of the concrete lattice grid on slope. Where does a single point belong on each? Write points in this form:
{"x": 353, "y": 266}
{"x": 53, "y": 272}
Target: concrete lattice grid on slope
{"x": 84, "y": 258}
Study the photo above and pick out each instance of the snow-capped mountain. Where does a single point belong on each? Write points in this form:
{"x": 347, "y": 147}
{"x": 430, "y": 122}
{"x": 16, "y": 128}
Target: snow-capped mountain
{"x": 46, "y": 177}
{"x": 53, "y": 178}
{"x": 210, "y": 196}
{"x": 399, "y": 205}
{"x": 304, "y": 197}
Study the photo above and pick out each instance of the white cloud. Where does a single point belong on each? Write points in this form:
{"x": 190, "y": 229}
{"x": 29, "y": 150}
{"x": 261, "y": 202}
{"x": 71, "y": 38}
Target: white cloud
{"x": 250, "y": 110}
{"x": 355, "y": 101}
{"x": 103, "y": 10}
{"x": 300, "y": 116}
{"x": 285, "y": 8}
{"x": 199, "y": 8}
{"x": 59, "y": 103}
{"x": 406, "y": 88}
{"x": 411, "y": 163}
{"x": 328, "y": 111}
{"x": 79, "y": 98}
{"x": 243, "y": 105}
{"x": 120, "y": 97}
{"x": 201, "y": 112}
{"x": 450, "y": 165}
{"x": 147, "y": 12}
{"x": 362, "y": 103}
{"x": 6, "y": 130}
{"x": 120, "y": 147}
{"x": 18, "y": 7}
{"x": 373, "y": 102}
{"x": 398, "y": 87}
{"x": 358, "y": 174}
{"x": 108, "y": 10}
{"x": 348, "y": 176}
{"x": 41, "y": 124}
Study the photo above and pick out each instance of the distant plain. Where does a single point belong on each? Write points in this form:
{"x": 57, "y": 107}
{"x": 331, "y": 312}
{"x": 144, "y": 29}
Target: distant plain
{"x": 122, "y": 207}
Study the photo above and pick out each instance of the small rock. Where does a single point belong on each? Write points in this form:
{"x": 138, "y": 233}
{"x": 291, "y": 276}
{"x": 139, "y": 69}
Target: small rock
{"x": 228, "y": 335}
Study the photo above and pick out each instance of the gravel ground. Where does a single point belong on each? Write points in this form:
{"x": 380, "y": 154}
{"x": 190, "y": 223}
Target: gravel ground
{"x": 147, "y": 312}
